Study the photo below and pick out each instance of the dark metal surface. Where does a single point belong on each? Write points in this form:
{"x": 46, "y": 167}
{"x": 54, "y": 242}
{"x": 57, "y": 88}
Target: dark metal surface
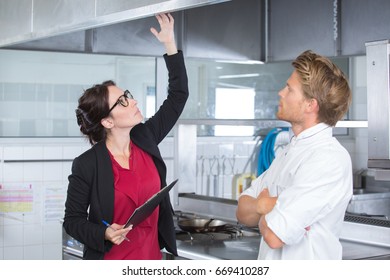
{"x": 367, "y": 220}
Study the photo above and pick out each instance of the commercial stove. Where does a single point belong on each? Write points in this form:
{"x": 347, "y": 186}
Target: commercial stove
{"x": 232, "y": 241}
{"x": 362, "y": 238}
{"x": 228, "y": 230}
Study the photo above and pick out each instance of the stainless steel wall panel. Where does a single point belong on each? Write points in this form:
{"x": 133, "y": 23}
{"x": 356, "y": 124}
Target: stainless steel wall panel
{"x": 378, "y": 102}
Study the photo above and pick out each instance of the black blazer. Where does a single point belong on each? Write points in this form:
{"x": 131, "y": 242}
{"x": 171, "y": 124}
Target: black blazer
{"x": 90, "y": 197}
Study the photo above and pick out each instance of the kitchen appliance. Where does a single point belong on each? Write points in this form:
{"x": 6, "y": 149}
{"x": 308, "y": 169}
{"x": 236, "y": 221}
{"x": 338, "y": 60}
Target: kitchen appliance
{"x": 71, "y": 248}
{"x": 228, "y": 240}
{"x": 235, "y": 242}
{"x": 370, "y": 202}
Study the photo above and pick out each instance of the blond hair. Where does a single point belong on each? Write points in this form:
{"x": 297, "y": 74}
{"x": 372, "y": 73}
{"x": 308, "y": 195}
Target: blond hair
{"x": 323, "y": 81}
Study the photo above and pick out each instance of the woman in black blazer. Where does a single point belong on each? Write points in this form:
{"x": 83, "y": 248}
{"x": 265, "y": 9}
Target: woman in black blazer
{"x": 124, "y": 167}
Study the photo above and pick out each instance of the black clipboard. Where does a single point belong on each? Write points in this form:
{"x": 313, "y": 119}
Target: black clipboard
{"x": 143, "y": 211}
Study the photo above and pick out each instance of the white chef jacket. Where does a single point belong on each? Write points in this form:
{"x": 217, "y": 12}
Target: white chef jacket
{"x": 312, "y": 177}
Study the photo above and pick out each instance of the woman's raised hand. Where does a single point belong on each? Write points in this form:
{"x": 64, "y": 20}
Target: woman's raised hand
{"x": 166, "y": 34}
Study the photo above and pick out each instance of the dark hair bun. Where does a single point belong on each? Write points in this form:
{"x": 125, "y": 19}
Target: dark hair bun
{"x": 83, "y": 121}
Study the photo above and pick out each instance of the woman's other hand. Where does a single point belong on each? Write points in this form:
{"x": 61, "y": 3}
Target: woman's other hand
{"x": 116, "y": 233}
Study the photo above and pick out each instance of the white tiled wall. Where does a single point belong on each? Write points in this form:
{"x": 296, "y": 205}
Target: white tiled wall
{"x": 222, "y": 157}
{"x": 36, "y": 234}
{"x": 33, "y": 235}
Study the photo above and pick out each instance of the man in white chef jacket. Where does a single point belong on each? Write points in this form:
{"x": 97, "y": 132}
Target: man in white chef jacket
{"x": 300, "y": 201}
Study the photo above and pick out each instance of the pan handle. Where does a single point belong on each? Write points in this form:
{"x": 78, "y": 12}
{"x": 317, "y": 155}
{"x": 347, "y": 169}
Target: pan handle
{"x": 206, "y": 225}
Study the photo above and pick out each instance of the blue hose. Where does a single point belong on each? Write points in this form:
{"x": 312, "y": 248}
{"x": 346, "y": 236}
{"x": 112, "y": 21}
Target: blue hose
{"x": 267, "y": 150}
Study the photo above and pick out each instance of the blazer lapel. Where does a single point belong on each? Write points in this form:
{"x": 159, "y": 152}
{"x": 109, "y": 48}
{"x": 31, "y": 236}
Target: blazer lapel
{"x": 105, "y": 181}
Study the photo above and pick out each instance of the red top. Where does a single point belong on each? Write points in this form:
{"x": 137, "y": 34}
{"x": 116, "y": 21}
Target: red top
{"x": 133, "y": 187}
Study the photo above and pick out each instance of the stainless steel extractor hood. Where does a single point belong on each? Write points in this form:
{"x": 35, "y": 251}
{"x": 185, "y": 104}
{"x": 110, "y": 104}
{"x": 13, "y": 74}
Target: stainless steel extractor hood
{"x": 378, "y": 107}
{"x": 26, "y": 20}
{"x": 213, "y": 29}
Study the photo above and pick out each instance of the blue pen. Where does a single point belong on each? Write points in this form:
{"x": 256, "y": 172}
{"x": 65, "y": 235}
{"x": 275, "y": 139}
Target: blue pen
{"x": 108, "y": 225}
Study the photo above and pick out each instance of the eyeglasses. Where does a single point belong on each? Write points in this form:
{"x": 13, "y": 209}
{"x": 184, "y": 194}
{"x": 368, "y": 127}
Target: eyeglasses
{"x": 123, "y": 100}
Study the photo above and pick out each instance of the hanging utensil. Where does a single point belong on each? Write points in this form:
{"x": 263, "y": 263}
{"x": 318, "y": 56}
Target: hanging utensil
{"x": 227, "y": 170}
{"x": 214, "y": 171}
{"x": 202, "y": 171}
{"x": 208, "y": 181}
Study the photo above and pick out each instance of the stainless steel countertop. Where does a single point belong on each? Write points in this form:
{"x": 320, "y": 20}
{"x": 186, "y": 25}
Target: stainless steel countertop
{"x": 247, "y": 248}
{"x": 355, "y": 250}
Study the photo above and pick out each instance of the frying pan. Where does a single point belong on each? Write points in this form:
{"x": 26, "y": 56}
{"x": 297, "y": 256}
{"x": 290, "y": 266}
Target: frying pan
{"x": 201, "y": 225}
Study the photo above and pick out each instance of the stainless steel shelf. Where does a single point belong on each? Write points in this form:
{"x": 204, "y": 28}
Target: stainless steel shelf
{"x": 352, "y": 124}
{"x": 263, "y": 123}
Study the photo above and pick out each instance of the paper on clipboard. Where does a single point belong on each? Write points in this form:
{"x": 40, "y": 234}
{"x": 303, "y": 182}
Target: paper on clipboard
{"x": 143, "y": 211}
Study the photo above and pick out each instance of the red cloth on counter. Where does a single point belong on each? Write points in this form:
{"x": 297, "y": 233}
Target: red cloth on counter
{"x": 133, "y": 187}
